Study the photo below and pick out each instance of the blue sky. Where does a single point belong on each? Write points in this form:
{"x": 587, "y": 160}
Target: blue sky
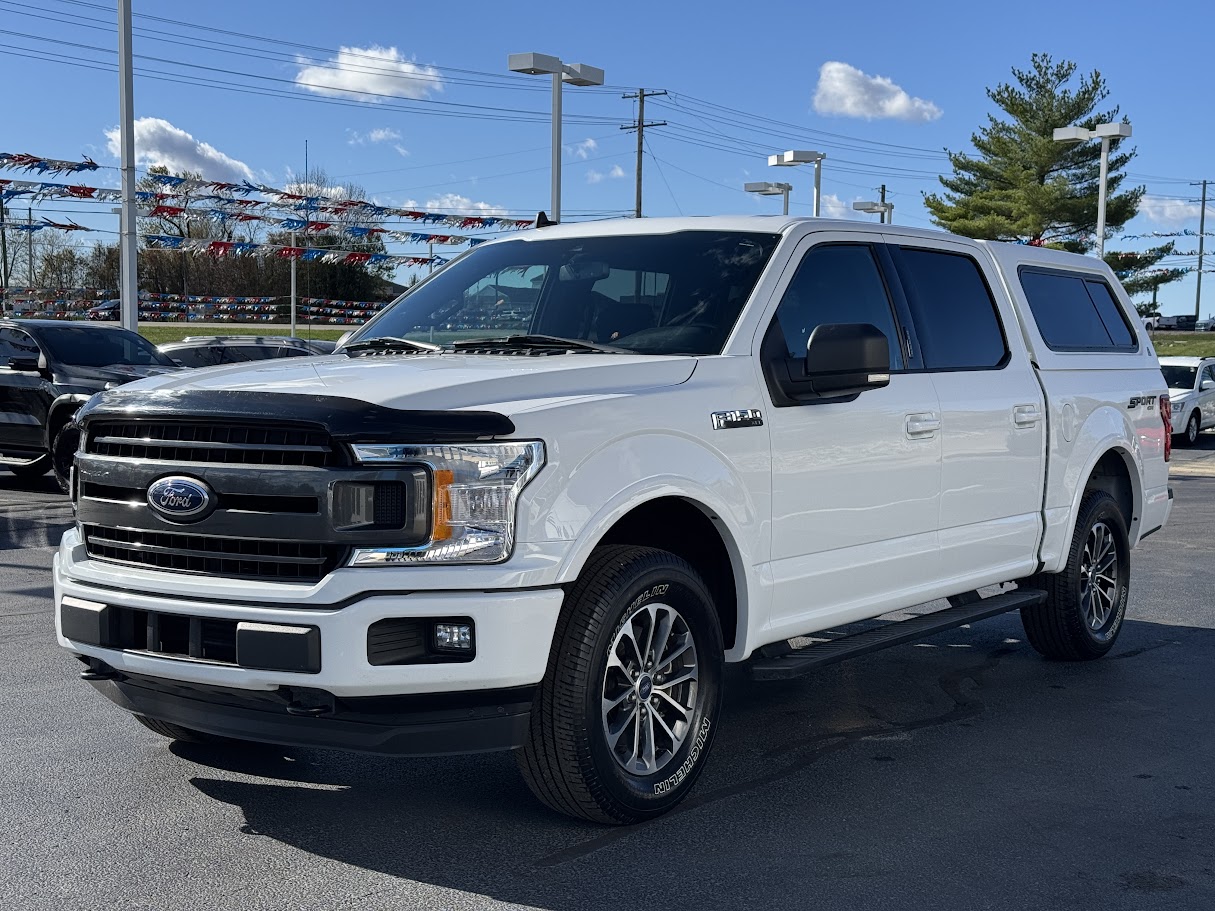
{"x": 903, "y": 81}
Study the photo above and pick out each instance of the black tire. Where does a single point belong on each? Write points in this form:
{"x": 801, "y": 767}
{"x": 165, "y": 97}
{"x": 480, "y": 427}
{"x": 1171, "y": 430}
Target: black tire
{"x": 179, "y": 733}
{"x": 1192, "y": 428}
{"x": 63, "y": 454}
{"x": 567, "y": 760}
{"x": 34, "y": 468}
{"x": 1064, "y": 628}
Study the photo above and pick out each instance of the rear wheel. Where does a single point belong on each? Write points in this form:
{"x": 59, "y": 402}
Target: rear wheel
{"x": 1086, "y": 601}
{"x": 179, "y": 733}
{"x": 626, "y": 713}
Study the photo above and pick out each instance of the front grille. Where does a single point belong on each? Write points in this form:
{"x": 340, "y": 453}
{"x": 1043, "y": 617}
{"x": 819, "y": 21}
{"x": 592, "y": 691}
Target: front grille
{"x": 227, "y": 444}
{"x": 254, "y": 558}
{"x": 173, "y": 635}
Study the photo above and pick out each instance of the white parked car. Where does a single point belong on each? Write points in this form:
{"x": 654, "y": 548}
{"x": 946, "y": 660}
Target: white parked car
{"x": 685, "y": 442}
{"x": 1192, "y": 394}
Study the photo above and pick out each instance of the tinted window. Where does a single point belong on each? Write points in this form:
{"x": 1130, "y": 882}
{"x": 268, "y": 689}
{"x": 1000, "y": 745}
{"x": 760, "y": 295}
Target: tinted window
{"x": 836, "y": 284}
{"x": 15, "y": 343}
{"x": 1111, "y": 315}
{"x": 677, "y": 293}
{"x": 955, "y": 317}
{"x": 207, "y": 356}
{"x": 96, "y": 346}
{"x": 1069, "y": 317}
{"x": 1179, "y": 377}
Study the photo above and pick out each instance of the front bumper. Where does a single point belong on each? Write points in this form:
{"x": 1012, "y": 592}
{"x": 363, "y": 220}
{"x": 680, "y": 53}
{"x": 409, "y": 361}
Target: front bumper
{"x": 514, "y": 632}
{"x": 434, "y": 725}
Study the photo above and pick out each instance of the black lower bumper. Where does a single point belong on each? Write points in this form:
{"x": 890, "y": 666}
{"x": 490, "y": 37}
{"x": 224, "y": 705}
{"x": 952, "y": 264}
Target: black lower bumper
{"x": 438, "y": 724}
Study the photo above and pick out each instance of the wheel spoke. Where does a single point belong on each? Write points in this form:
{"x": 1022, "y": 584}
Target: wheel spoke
{"x": 683, "y": 710}
{"x": 679, "y": 650}
{"x": 689, "y": 673}
{"x": 609, "y": 704}
{"x": 652, "y": 615}
{"x": 614, "y": 732}
{"x": 627, "y": 635}
{"x": 661, "y": 637}
{"x": 648, "y": 756}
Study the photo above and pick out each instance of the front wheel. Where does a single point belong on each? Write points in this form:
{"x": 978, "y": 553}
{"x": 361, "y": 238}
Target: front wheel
{"x": 1191, "y": 428}
{"x": 626, "y": 712}
{"x": 1085, "y": 602}
{"x": 63, "y": 454}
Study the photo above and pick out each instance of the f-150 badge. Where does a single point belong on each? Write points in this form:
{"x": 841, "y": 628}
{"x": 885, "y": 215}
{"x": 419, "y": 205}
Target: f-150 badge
{"x": 746, "y": 417}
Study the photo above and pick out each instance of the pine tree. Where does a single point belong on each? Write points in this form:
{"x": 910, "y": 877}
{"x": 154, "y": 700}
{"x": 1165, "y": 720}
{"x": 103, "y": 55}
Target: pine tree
{"x": 1141, "y": 274}
{"x": 1023, "y": 186}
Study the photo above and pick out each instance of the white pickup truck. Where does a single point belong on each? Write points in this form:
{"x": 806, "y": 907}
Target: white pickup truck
{"x": 539, "y": 501}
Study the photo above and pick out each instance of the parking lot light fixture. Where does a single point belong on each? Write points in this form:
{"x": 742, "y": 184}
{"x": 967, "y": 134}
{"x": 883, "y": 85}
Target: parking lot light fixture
{"x": 1105, "y": 132}
{"x": 574, "y": 74}
{"x": 884, "y": 210}
{"x": 768, "y": 188}
{"x": 795, "y": 157}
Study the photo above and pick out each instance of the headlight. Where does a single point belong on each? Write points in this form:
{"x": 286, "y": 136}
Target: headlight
{"x": 474, "y": 489}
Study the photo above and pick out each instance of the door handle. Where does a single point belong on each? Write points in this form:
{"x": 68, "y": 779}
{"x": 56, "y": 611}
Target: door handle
{"x": 1026, "y": 415}
{"x": 922, "y": 425}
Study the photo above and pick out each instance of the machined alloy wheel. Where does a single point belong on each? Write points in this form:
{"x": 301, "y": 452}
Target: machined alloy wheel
{"x": 1086, "y": 600}
{"x": 625, "y": 715}
{"x": 649, "y": 689}
{"x": 1099, "y": 576}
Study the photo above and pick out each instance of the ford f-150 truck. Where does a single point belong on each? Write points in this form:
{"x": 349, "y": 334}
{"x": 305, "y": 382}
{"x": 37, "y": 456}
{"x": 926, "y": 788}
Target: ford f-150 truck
{"x": 539, "y": 501}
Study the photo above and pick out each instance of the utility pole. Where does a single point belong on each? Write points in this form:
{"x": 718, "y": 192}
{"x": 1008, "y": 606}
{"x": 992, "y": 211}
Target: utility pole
{"x": 29, "y": 234}
{"x": 641, "y": 95}
{"x": 3, "y": 254}
{"x": 129, "y": 239}
{"x": 1202, "y": 227}
{"x": 882, "y": 191}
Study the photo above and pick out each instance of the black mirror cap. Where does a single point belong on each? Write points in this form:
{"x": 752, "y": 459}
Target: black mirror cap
{"x": 24, "y": 364}
{"x": 847, "y": 359}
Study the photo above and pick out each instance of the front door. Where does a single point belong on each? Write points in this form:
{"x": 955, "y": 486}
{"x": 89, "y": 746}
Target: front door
{"x": 23, "y": 395}
{"x": 856, "y": 484}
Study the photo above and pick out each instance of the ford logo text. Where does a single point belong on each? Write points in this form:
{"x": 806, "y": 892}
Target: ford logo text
{"x": 180, "y": 499}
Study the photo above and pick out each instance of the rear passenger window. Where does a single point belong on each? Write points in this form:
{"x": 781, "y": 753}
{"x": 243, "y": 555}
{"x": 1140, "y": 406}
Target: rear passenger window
{"x": 955, "y": 316}
{"x": 1076, "y": 314}
{"x": 836, "y": 283}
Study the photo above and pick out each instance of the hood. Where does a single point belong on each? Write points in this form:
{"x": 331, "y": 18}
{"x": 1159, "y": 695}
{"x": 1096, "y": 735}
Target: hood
{"x": 441, "y": 382}
{"x": 113, "y": 375}
{"x": 1181, "y": 393}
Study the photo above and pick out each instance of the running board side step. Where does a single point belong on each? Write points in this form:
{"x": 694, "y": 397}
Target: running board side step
{"x": 804, "y": 660}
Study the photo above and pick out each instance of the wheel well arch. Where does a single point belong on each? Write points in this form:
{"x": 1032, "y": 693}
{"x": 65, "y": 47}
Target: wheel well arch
{"x": 62, "y": 410}
{"x": 1112, "y": 474}
{"x": 693, "y": 533}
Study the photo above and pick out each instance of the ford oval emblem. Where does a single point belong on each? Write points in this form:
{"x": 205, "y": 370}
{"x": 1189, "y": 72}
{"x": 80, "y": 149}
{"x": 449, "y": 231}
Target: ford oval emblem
{"x": 181, "y": 499}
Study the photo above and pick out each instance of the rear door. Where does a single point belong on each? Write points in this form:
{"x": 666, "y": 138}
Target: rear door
{"x": 993, "y": 417}
{"x": 24, "y": 395}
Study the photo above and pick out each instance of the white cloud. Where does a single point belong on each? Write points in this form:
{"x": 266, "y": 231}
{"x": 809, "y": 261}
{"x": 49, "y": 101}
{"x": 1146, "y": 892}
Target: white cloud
{"x": 593, "y": 176}
{"x": 834, "y": 207}
{"x": 845, "y": 90}
{"x": 311, "y": 189}
{"x": 456, "y": 204}
{"x": 1172, "y": 212}
{"x": 581, "y": 150}
{"x": 401, "y": 150}
{"x": 379, "y": 134}
{"x": 364, "y": 72}
{"x": 158, "y": 142}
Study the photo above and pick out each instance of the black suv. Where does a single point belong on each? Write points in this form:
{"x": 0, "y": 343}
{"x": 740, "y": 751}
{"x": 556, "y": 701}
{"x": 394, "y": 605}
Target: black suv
{"x": 48, "y": 369}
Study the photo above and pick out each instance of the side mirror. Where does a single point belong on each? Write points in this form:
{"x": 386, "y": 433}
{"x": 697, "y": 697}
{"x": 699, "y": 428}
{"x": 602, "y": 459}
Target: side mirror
{"x": 24, "y": 364}
{"x": 847, "y": 359}
{"x": 842, "y": 361}
{"x": 1207, "y": 384}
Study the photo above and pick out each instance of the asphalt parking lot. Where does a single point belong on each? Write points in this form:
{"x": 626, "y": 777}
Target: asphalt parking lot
{"x": 962, "y": 773}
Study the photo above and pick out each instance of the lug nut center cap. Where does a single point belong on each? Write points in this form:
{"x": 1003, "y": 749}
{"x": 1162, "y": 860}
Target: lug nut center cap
{"x": 645, "y": 686}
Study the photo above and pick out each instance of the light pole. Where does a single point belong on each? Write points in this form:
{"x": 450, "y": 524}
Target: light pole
{"x": 1105, "y": 132}
{"x": 884, "y": 210}
{"x": 767, "y": 188}
{"x": 795, "y": 157}
{"x": 574, "y": 74}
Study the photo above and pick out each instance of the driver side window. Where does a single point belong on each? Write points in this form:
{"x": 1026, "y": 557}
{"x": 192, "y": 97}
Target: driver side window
{"x": 15, "y": 343}
{"x": 836, "y": 283}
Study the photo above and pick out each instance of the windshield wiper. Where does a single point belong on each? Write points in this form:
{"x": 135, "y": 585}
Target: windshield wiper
{"x": 388, "y": 342}
{"x": 547, "y": 342}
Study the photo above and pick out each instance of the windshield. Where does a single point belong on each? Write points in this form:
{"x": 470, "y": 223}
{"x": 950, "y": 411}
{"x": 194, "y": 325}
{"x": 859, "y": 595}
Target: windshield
{"x": 94, "y": 346}
{"x": 1179, "y": 377}
{"x": 653, "y": 294}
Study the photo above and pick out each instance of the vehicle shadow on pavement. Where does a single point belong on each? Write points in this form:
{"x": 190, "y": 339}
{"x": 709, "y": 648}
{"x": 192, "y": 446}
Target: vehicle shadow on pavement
{"x": 26, "y": 518}
{"x": 859, "y": 777}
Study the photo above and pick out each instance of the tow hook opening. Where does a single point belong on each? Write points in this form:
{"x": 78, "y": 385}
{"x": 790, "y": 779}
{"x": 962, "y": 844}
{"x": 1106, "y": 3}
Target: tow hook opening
{"x": 308, "y": 703}
{"x": 96, "y": 669}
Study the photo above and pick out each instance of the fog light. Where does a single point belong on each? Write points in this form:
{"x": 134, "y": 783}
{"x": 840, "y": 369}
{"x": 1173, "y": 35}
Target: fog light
{"x": 453, "y": 637}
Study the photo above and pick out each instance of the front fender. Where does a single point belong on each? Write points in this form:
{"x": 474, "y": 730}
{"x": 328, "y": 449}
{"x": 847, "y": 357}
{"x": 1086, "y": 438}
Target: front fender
{"x": 61, "y": 412}
{"x": 590, "y": 497}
